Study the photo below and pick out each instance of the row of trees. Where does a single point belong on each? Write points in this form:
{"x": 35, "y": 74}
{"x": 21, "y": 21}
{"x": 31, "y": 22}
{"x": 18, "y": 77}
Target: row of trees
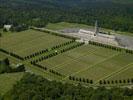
{"x": 45, "y": 68}
{"x": 124, "y": 81}
{"x": 71, "y": 47}
{"x": 63, "y": 44}
{"x": 44, "y": 57}
{"x": 33, "y": 87}
{"x": 55, "y": 33}
{"x": 12, "y": 54}
{"x": 36, "y": 54}
{"x": 40, "y": 66}
{"x": 129, "y": 51}
{"x": 105, "y": 46}
{"x": 80, "y": 79}
{"x": 46, "y": 50}
{"x": 4, "y": 51}
{"x": 16, "y": 56}
{"x": 55, "y": 72}
{"x": 56, "y": 53}
{"x": 110, "y": 47}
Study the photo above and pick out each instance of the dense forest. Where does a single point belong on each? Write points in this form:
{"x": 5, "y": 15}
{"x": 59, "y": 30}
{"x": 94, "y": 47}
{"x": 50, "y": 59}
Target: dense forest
{"x": 32, "y": 87}
{"x": 113, "y": 14}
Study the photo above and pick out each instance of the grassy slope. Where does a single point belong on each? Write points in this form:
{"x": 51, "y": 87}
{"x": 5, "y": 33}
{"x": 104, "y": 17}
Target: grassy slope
{"x": 64, "y": 25}
{"x": 8, "y": 80}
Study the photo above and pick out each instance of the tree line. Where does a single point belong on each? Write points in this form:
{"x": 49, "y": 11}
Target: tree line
{"x": 124, "y": 81}
{"x": 33, "y": 87}
{"x": 55, "y": 33}
{"x": 35, "y": 54}
{"x": 111, "y": 47}
{"x": 63, "y": 44}
{"x": 11, "y": 54}
{"x": 73, "y": 78}
{"x": 56, "y": 53}
{"x": 105, "y": 46}
{"x": 47, "y": 50}
{"x": 116, "y": 16}
{"x": 46, "y": 69}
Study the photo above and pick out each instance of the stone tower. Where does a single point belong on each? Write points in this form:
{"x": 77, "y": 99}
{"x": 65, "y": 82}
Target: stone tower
{"x": 96, "y": 28}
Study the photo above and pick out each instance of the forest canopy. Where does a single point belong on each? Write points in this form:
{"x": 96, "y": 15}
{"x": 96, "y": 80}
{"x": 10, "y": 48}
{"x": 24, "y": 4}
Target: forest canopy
{"x": 39, "y": 88}
{"x": 111, "y": 14}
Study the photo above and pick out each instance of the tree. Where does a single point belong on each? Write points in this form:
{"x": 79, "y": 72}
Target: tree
{"x": 4, "y": 30}
{"x": 36, "y": 87}
{"x": 0, "y": 34}
{"x": 100, "y": 82}
{"x": 91, "y": 81}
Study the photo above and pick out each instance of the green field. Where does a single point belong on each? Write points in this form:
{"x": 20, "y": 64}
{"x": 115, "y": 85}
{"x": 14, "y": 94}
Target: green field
{"x": 27, "y": 42}
{"x": 86, "y": 61}
{"x": 8, "y": 80}
{"x": 90, "y": 62}
{"x": 64, "y": 25}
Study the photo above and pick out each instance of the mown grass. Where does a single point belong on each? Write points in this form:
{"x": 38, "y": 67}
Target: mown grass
{"x": 7, "y": 81}
{"x": 30, "y": 41}
{"x": 90, "y": 62}
{"x": 64, "y": 25}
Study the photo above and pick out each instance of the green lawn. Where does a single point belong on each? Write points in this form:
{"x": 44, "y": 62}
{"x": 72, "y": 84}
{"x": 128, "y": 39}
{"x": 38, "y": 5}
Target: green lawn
{"x": 11, "y": 59}
{"x": 90, "y": 62}
{"x": 108, "y": 67}
{"x": 30, "y": 41}
{"x": 87, "y": 61}
{"x": 64, "y": 25}
{"x": 127, "y": 73}
{"x": 8, "y": 80}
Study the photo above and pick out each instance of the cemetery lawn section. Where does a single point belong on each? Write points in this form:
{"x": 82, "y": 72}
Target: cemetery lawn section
{"x": 30, "y": 41}
{"x": 67, "y": 58}
{"x": 90, "y": 62}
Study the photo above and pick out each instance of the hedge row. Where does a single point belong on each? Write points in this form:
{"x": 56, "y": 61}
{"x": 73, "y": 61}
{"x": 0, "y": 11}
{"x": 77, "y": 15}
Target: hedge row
{"x": 35, "y": 54}
{"x": 124, "y": 81}
{"x": 44, "y": 57}
{"x": 54, "y": 33}
{"x": 55, "y": 72}
{"x": 46, "y": 50}
{"x": 72, "y": 47}
{"x": 105, "y": 46}
{"x": 64, "y": 44}
{"x": 55, "y": 53}
{"x": 110, "y": 47}
{"x": 129, "y": 51}
{"x": 42, "y": 67}
{"x": 16, "y": 56}
{"x": 80, "y": 79}
{"x": 12, "y": 54}
{"x": 4, "y": 51}
{"x": 45, "y": 68}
